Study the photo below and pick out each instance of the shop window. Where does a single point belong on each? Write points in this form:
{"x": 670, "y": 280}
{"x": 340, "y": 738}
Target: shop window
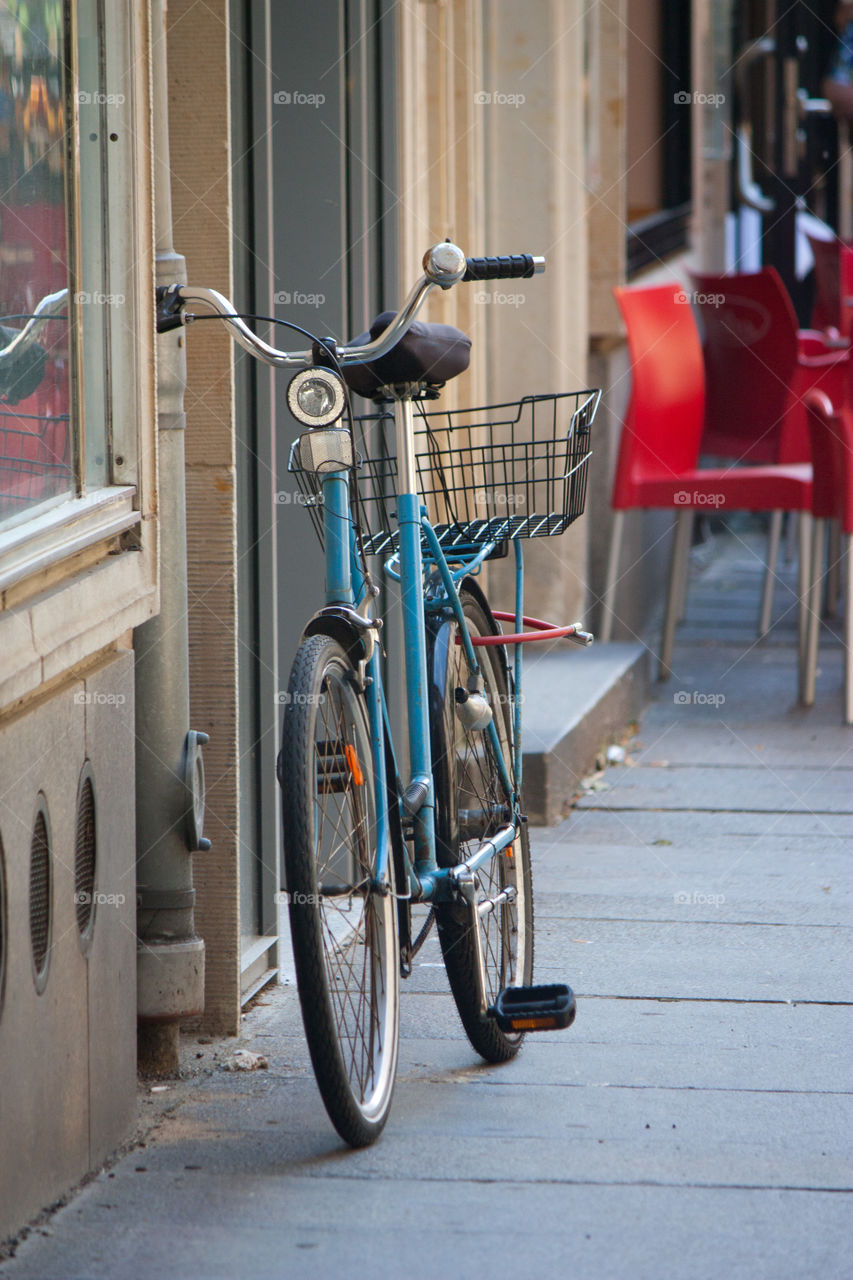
{"x": 59, "y": 308}
{"x": 660, "y": 102}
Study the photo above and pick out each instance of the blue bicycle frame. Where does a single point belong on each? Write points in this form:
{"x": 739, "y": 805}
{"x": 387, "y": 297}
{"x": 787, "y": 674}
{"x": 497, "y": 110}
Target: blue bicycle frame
{"x": 345, "y": 586}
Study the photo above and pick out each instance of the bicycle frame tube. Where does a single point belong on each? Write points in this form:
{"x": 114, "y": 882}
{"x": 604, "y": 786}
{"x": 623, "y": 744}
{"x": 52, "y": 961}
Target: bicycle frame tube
{"x": 449, "y": 584}
{"x": 414, "y": 633}
{"x": 519, "y": 626}
{"x": 337, "y": 528}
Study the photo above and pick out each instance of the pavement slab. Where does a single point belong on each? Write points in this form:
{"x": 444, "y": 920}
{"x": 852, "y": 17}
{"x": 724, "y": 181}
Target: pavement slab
{"x": 695, "y": 1123}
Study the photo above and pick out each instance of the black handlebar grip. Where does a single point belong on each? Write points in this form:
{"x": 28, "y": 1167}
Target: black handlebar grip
{"x": 516, "y": 266}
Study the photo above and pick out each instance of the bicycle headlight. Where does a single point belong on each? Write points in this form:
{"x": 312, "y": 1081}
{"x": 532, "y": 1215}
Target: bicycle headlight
{"x": 316, "y": 397}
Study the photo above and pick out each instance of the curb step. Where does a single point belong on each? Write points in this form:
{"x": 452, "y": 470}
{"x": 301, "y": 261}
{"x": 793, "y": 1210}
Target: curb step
{"x": 575, "y": 703}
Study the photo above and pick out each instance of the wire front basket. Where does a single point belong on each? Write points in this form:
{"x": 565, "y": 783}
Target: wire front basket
{"x": 34, "y": 463}
{"x": 516, "y": 470}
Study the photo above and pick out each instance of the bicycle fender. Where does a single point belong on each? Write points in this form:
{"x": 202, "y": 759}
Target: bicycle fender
{"x": 347, "y": 627}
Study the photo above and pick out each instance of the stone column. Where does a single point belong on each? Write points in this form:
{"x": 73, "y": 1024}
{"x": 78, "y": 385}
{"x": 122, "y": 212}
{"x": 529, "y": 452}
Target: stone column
{"x": 532, "y": 102}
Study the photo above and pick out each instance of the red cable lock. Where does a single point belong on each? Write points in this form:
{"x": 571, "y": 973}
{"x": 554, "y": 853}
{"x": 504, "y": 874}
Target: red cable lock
{"x": 542, "y": 631}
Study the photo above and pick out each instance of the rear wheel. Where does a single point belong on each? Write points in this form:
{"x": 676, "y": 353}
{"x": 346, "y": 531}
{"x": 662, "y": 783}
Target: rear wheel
{"x": 471, "y": 805}
{"x": 344, "y": 930}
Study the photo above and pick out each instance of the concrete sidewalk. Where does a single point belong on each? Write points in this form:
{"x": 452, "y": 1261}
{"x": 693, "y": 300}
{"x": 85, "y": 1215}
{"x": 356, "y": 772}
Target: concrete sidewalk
{"x": 696, "y": 1122}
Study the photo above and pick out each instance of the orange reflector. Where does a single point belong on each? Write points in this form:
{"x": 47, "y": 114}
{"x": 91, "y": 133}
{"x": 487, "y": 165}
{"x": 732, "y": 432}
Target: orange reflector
{"x": 354, "y": 766}
{"x": 533, "y": 1024}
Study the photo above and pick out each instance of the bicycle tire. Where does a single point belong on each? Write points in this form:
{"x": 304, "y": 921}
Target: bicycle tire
{"x": 464, "y": 768}
{"x": 345, "y": 945}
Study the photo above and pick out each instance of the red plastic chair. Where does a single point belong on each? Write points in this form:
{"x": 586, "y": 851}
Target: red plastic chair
{"x": 758, "y": 368}
{"x": 660, "y": 442}
{"x": 833, "y": 268}
{"x": 831, "y": 435}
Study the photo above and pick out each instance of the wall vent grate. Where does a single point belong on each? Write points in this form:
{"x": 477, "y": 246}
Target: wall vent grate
{"x": 84, "y": 858}
{"x": 40, "y": 896}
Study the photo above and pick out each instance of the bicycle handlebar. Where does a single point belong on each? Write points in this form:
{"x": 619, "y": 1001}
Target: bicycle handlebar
{"x": 444, "y": 266}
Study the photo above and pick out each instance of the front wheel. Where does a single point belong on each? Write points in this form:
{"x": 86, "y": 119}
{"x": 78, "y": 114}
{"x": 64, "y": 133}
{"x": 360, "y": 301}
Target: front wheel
{"x": 471, "y": 805}
{"x": 344, "y": 929}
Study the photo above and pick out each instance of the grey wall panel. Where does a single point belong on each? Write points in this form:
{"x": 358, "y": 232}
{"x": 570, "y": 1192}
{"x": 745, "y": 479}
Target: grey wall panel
{"x": 67, "y": 1055}
{"x": 111, "y": 954}
{"x": 44, "y": 1096}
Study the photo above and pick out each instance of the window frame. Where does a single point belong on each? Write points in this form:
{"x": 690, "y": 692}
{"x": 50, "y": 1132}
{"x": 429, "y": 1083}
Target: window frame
{"x": 78, "y": 575}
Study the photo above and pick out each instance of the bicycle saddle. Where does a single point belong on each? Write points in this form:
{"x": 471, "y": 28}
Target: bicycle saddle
{"x": 431, "y": 353}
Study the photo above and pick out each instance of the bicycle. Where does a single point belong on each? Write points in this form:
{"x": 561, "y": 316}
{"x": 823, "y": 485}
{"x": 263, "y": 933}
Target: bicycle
{"x": 361, "y": 843}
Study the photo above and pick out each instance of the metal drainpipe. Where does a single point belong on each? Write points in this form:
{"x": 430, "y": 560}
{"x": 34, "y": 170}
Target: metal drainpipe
{"x": 169, "y": 771}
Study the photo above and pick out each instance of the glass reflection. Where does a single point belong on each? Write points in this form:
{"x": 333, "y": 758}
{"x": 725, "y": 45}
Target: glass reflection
{"x": 35, "y": 435}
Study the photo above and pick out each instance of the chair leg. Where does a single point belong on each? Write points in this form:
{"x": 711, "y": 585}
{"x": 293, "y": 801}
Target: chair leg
{"x": 606, "y": 629}
{"x": 807, "y": 689}
{"x": 848, "y": 628}
{"x": 791, "y": 536}
{"x": 774, "y": 538}
{"x": 677, "y": 567}
{"x": 685, "y": 577}
{"x": 833, "y": 579}
{"x": 804, "y": 529}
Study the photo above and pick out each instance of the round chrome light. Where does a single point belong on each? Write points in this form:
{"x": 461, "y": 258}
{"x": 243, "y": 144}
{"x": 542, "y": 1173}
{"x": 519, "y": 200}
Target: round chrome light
{"x": 316, "y": 397}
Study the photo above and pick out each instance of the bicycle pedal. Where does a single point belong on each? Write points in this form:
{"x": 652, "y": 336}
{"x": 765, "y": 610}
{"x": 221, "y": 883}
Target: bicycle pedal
{"x": 547, "y": 1008}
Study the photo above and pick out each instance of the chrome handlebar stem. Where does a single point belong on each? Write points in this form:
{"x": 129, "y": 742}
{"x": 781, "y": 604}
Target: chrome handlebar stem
{"x": 220, "y": 305}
